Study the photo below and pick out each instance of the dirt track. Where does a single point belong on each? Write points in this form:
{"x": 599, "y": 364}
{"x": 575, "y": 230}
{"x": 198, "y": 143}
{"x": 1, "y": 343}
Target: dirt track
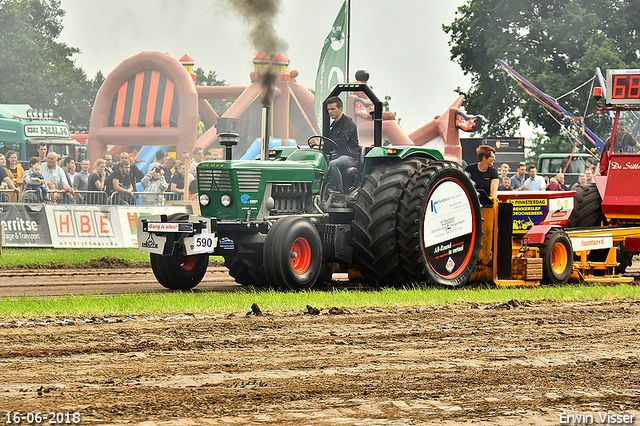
{"x": 492, "y": 365}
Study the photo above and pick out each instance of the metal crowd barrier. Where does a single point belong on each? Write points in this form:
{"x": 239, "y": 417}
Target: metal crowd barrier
{"x": 95, "y": 198}
{"x": 144, "y": 198}
{"x": 8, "y": 195}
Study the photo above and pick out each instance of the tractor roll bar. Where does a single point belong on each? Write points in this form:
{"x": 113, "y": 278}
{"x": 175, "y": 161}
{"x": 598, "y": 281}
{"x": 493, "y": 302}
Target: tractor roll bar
{"x": 377, "y": 111}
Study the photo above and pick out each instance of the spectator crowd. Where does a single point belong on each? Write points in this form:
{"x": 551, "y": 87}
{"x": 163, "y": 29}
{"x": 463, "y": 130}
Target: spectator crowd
{"x": 527, "y": 179}
{"x": 113, "y": 179}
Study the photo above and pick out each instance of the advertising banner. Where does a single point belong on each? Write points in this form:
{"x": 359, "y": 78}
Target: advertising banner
{"x": 99, "y": 226}
{"x": 24, "y": 225}
{"x": 84, "y": 226}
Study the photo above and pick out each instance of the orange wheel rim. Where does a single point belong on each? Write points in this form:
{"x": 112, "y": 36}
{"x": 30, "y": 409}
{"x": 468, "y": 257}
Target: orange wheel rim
{"x": 188, "y": 262}
{"x": 300, "y": 256}
{"x": 559, "y": 258}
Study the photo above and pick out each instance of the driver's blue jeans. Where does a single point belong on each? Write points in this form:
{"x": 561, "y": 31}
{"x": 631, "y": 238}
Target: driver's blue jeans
{"x": 337, "y": 167}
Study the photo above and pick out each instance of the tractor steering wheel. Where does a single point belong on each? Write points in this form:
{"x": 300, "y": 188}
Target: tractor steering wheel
{"x": 325, "y": 141}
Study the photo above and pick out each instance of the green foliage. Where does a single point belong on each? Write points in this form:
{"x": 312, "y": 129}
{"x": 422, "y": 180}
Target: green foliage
{"x": 210, "y": 79}
{"x": 37, "y": 69}
{"x": 555, "y": 45}
{"x": 541, "y": 143}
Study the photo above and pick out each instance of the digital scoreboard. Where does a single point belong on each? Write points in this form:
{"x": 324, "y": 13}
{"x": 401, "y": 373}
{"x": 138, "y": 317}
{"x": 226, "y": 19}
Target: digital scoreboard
{"x": 623, "y": 87}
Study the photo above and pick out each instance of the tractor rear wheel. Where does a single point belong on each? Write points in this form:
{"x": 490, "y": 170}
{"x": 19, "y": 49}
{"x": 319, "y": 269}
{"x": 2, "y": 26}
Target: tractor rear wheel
{"x": 292, "y": 253}
{"x": 179, "y": 272}
{"x": 557, "y": 257}
{"x": 247, "y": 270}
{"x": 375, "y": 224}
{"x": 588, "y": 207}
{"x": 440, "y": 225}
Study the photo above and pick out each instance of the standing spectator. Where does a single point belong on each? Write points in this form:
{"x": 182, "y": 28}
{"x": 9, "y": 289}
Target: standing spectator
{"x": 167, "y": 166}
{"x": 120, "y": 183}
{"x": 198, "y": 156}
{"x": 81, "y": 180}
{"x": 201, "y": 128}
{"x": 535, "y": 182}
{"x": 154, "y": 182}
{"x": 135, "y": 173}
{"x": 504, "y": 171}
{"x": 96, "y": 183}
{"x": 554, "y": 185}
{"x": 506, "y": 184}
{"x": 161, "y": 158}
{"x": 68, "y": 164}
{"x": 177, "y": 181}
{"x": 5, "y": 181}
{"x": 15, "y": 172}
{"x": 518, "y": 180}
{"x": 560, "y": 180}
{"x": 108, "y": 166}
{"x": 33, "y": 180}
{"x": 42, "y": 152}
{"x": 582, "y": 180}
{"x": 54, "y": 175}
{"x": 589, "y": 174}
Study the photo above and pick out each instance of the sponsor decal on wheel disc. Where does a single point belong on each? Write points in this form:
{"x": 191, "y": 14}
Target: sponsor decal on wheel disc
{"x": 448, "y": 228}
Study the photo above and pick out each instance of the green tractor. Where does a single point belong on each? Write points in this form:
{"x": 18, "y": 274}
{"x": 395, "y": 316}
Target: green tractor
{"x": 416, "y": 218}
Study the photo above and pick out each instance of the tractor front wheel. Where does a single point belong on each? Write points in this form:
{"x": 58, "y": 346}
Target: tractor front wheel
{"x": 179, "y": 272}
{"x": 292, "y": 253}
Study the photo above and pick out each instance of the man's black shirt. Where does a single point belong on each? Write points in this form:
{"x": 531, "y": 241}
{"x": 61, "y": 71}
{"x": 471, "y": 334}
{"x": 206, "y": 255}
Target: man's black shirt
{"x": 345, "y": 133}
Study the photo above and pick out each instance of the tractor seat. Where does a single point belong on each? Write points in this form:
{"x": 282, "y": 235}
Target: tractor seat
{"x": 353, "y": 175}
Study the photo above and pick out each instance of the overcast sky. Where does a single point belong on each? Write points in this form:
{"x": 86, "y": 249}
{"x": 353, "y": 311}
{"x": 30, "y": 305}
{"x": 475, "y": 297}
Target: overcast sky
{"x": 400, "y": 43}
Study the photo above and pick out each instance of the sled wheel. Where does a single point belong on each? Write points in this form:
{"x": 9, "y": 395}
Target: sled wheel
{"x": 179, "y": 272}
{"x": 625, "y": 259}
{"x": 293, "y": 253}
{"x": 440, "y": 225}
{"x": 557, "y": 257}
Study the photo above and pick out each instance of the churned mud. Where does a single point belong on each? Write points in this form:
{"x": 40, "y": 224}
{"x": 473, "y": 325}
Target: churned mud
{"x": 513, "y": 363}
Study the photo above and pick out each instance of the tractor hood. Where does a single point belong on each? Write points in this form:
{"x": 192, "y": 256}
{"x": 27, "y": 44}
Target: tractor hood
{"x": 236, "y": 190}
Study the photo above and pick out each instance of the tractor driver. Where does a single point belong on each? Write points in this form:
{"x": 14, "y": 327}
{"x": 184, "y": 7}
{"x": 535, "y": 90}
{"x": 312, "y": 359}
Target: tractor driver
{"x": 344, "y": 133}
{"x": 624, "y": 143}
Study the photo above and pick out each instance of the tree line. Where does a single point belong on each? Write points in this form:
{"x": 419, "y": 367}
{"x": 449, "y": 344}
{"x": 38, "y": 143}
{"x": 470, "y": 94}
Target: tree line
{"x": 39, "y": 70}
{"x": 555, "y": 44}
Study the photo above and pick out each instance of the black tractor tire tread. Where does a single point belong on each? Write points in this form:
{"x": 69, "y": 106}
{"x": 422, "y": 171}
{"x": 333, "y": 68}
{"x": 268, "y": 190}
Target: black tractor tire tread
{"x": 410, "y": 221}
{"x": 374, "y": 227}
{"x": 247, "y": 270}
{"x": 587, "y": 210}
{"x": 170, "y": 274}
{"x": 277, "y": 246}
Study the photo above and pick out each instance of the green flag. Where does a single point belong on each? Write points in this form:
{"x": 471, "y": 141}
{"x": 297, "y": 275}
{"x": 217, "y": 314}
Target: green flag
{"x": 333, "y": 62}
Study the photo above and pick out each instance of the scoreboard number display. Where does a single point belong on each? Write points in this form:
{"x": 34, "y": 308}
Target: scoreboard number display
{"x": 623, "y": 87}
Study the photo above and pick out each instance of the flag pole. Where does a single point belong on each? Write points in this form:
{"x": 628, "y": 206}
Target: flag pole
{"x": 348, "y": 39}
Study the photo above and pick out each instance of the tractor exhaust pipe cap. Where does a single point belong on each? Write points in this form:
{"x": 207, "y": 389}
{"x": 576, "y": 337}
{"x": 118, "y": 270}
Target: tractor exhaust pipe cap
{"x": 228, "y": 140}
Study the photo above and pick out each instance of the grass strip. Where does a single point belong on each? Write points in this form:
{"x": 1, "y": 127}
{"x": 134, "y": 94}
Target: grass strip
{"x": 52, "y": 258}
{"x": 91, "y": 305}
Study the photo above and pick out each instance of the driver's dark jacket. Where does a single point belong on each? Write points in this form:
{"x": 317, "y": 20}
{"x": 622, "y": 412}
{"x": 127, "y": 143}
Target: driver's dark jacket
{"x": 345, "y": 134}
